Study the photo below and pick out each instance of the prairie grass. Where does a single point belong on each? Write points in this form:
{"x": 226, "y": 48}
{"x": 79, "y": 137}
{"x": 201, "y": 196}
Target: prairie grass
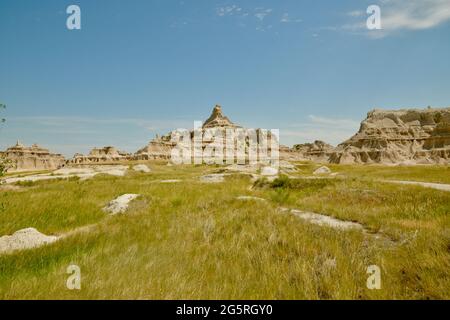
{"x": 193, "y": 240}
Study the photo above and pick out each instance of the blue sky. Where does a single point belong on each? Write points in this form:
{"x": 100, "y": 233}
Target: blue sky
{"x": 137, "y": 68}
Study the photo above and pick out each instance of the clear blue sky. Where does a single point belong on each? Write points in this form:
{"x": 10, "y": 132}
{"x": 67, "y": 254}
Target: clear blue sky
{"x": 137, "y": 68}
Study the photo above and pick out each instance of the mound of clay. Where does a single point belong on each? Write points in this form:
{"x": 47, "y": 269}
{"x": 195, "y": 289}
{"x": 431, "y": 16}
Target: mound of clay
{"x": 120, "y": 204}
{"x": 141, "y": 168}
{"x": 410, "y": 136}
{"x": 24, "y": 239}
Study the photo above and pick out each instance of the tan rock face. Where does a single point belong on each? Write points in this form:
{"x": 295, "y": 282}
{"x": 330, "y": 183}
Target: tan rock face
{"x": 157, "y": 149}
{"x": 410, "y": 136}
{"x": 218, "y": 120}
{"x": 32, "y": 158}
{"x": 213, "y": 128}
{"x": 101, "y": 155}
{"x": 316, "y": 151}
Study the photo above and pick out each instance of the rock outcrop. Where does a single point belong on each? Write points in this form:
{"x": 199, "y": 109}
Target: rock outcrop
{"x": 318, "y": 151}
{"x": 213, "y": 128}
{"x": 157, "y": 149}
{"x": 412, "y": 136}
{"x": 32, "y": 158}
{"x": 101, "y": 155}
{"x": 218, "y": 120}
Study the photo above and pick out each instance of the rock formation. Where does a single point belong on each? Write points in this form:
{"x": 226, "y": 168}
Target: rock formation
{"x": 157, "y": 149}
{"x": 101, "y": 155}
{"x": 317, "y": 151}
{"x": 215, "y": 126}
{"x": 32, "y": 158}
{"x": 218, "y": 120}
{"x": 411, "y": 136}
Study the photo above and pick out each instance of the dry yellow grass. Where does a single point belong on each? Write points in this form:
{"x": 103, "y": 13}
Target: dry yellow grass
{"x": 192, "y": 240}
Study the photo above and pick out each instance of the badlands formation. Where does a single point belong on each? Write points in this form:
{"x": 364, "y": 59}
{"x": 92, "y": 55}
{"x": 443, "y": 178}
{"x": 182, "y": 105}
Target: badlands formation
{"x": 411, "y": 136}
{"x": 32, "y": 158}
{"x": 105, "y": 154}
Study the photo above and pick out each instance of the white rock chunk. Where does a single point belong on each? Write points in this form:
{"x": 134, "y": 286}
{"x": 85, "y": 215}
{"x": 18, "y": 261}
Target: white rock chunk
{"x": 322, "y": 170}
{"x": 120, "y": 204}
{"x": 28, "y": 238}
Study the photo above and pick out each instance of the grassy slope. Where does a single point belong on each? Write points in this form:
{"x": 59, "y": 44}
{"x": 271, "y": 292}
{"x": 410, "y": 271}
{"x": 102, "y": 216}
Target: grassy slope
{"x": 193, "y": 240}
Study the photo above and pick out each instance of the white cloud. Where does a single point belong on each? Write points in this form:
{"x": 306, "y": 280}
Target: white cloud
{"x": 414, "y": 14}
{"x": 285, "y": 18}
{"x": 228, "y": 10}
{"x": 261, "y": 13}
{"x": 400, "y": 15}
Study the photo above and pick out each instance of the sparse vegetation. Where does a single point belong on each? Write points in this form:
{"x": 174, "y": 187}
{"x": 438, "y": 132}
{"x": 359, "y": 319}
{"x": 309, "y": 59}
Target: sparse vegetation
{"x": 194, "y": 240}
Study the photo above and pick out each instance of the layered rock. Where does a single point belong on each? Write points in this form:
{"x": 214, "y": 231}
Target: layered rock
{"x": 32, "y": 158}
{"x": 157, "y": 149}
{"x": 101, "y": 155}
{"x": 213, "y": 134}
{"x": 317, "y": 151}
{"x": 412, "y": 136}
{"x": 218, "y": 120}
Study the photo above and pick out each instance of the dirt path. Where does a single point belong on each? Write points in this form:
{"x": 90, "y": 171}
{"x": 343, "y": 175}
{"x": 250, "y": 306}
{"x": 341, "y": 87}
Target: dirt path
{"x": 437, "y": 186}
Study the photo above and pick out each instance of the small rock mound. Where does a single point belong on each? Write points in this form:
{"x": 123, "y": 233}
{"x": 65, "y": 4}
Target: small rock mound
{"x": 141, "y": 168}
{"x": 322, "y": 170}
{"x": 120, "y": 204}
{"x": 28, "y": 238}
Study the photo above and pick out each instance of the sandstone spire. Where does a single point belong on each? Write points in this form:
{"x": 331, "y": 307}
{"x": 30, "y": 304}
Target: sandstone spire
{"x": 217, "y": 119}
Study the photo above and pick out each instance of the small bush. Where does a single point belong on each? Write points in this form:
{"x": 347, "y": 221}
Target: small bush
{"x": 280, "y": 196}
{"x": 281, "y": 182}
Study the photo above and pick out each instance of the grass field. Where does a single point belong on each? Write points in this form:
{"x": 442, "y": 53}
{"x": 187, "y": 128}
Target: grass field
{"x": 194, "y": 240}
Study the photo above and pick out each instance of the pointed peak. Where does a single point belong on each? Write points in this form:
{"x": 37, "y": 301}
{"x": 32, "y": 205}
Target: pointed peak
{"x": 217, "y": 119}
{"x": 18, "y": 144}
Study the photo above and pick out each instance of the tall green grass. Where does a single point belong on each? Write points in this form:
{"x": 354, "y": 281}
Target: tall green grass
{"x": 194, "y": 240}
